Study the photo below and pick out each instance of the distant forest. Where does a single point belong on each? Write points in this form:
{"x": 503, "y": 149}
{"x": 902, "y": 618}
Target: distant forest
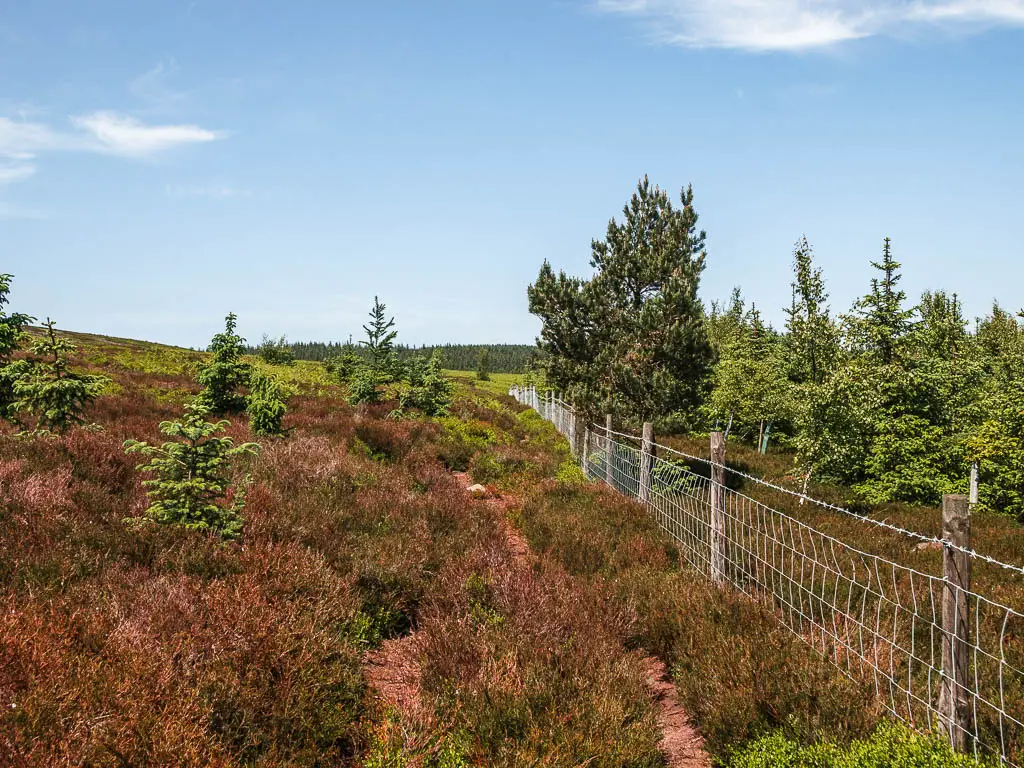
{"x": 504, "y": 358}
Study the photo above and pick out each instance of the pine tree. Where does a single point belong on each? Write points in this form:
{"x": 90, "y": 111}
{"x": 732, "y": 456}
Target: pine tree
{"x": 12, "y": 328}
{"x": 813, "y": 338}
{"x": 226, "y": 374}
{"x": 45, "y": 386}
{"x": 266, "y": 406}
{"x": 633, "y": 337}
{"x": 380, "y": 338}
{"x": 483, "y": 365}
{"x": 880, "y": 323}
{"x": 432, "y": 394}
{"x": 192, "y": 487}
{"x": 656, "y": 357}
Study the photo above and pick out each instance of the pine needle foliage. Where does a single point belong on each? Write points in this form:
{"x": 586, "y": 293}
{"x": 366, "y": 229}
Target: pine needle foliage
{"x": 46, "y": 387}
{"x": 266, "y": 407}
{"x": 192, "y": 484}
{"x": 431, "y": 392}
{"x": 12, "y": 329}
{"x": 226, "y": 374}
{"x": 483, "y": 365}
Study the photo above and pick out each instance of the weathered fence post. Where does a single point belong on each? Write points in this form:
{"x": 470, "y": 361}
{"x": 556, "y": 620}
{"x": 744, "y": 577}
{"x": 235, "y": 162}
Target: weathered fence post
{"x": 954, "y": 696}
{"x": 717, "y": 538}
{"x": 584, "y": 457}
{"x": 646, "y": 451}
{"x": 609, "y": 451}
{"x": 974, "y": 484}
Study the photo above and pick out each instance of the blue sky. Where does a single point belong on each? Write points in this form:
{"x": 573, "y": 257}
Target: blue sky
{"x": 162, "y": 163}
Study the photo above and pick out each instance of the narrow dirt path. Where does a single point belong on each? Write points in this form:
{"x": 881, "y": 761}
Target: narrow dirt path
{"x": 680, "y": 743}
{"x": 394, "y": 669}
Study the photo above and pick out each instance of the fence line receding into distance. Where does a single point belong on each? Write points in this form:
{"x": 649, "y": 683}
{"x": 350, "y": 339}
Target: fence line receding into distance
{"x": 942, "y": 657}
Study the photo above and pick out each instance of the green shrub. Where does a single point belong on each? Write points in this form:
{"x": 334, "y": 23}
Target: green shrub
{"x": 276, "y": 351}
{"x": 891, "y": 746}
{"x": 266, "y": 405}
{"x": 11, "y": 330}
{"x": 363, "y": 387}
{"x": 430, "y": 390}
{"x": 461, "y": 440}
{"x": 191, "y": 487}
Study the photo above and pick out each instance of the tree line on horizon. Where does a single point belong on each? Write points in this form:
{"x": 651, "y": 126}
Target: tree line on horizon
{"x": 894, "y": 399}
{"x": 502, "y": 358}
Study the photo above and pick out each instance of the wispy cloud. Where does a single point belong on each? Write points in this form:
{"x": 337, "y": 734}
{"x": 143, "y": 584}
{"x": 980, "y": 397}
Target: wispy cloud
{"x": 23, "y": 140}
{"x": 122, "y": 135}
{"x": 795, "y": 25}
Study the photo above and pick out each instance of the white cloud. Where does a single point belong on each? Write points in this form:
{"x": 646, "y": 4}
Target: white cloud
{"x": 14, "y": 170}
{"x": 123, "y": 135}
{"x": 793, "y": 25}
{"x": 21, "y": 141}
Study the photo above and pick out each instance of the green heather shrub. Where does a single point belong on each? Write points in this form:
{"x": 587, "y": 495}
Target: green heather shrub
{"x": 192, "y": 483}
{"x": 461, "y": 440}
{"x": 226, "y": 374}
{"x": 266, "y": 405}
{"x": 44, "y": 386}
{"x": 890, "y": 746}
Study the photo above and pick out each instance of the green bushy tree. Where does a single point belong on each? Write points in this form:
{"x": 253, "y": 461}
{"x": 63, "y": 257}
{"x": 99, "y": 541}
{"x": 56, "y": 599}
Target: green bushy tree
{"x": 266, "y": 406}
{"x": 223, "y": 377}
{"x": 12, "y": 329}
{"x": 380, "y": 342}
{"x": 45, "y": 387}
{"x": 633, "y": 336}
{"x": 483, "y": 365}
{"x": 276, "y": 351}
{"x": 364, "y": 387}
{"x": 433, "y": 393}
{"x": 192, "y": 484}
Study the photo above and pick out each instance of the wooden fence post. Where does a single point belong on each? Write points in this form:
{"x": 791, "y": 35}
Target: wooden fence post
{"x": 974, "y": 483}
{"x": 717, "y": 538}
{"x": 954, "y": 696}
{"x": 584, "y": 458}
{"x": 646, "y": 451}
{"x": 609, "y": 452}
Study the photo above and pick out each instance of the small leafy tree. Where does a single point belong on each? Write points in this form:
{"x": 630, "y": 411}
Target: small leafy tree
{"x": 276, "y": 351}
{"x": 483, "y": 365}
{"x": 226, "y": 373}
{"x": 192, "y": 486}
{"x": 345, "y": 366}
{"x": 12, "y": 328}
{"x": 46, "y": 388}
{"x": 266, "y": 405}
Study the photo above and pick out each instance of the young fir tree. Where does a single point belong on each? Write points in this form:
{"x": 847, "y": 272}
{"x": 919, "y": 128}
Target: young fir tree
{"x": 226, "y": 374}
{"x": 380, "y": 339}
{"x": 192, "y": 484}
{"x": 483, "y": 365}
{"x": 12, "y": 328}
{"x": 266, "y": 406}
{"x": 880, "y": 322}
{"x": 812, "y": 338}
{"x": 433, "y": 394}
{"x": 46, "y": 388}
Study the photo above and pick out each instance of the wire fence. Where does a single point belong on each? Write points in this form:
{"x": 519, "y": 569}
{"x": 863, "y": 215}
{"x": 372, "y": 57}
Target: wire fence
{"x": 943, "y": 658}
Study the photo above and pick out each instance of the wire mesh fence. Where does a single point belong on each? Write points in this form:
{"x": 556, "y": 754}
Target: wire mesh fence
{"x": 942, "y": 657}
